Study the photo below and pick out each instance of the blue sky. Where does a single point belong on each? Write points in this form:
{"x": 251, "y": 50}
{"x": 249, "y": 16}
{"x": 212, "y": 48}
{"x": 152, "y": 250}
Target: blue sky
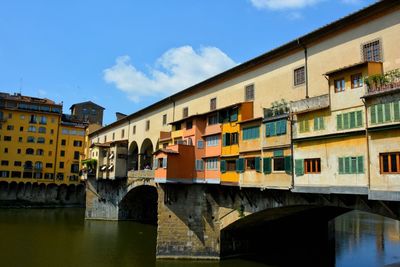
{"x": 127, "y": 54}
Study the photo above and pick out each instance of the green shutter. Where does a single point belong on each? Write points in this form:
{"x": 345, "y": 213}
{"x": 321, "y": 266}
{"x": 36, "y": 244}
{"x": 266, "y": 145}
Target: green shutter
{"x": 299, "y": 167}
{"x": 396, "y": 111}
{"x": 306, "y": 126}
{"x": 228, "y": 139}
{"x": 352, "y": 116}
{"x": 257, "y": 164}
{"x": 347, "y": 165}
{"x": 267, "y": 165}
{"x": 321, "y": 123}
{"x": 339, "y": 122}
{"x": 341, "y": 165}
{"x": 278, "y": 153}
{"x": 346, "y": 121}
{"x": 278, "y": 127}
{"x": 386, "y": 108}
{"x": 359, "y": 118}
{"x": 380, "y": 113}
{"x": 234, "y": 115}
{"x": 223, "y": 140}
{"x": 267, "y": 129}
{"x": 373, "y": 114}
{"x": 360, "y": 164}
{"x": 316, "y": 123}
{"x": 301, "y": 126}
{"x": 222, "y": 165}
{"x": 240, "y": 165}
{"x": 273, "y": 128}
{"x": 283, "y": 125}
{"x": 353, "y": 164}
{"x": 288, "y": 164}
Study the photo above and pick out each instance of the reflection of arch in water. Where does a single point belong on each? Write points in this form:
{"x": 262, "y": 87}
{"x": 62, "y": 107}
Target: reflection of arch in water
{"x": 146, "y": 154}
{"x": 133, "y": 157}
{"x": 139, "y": 204}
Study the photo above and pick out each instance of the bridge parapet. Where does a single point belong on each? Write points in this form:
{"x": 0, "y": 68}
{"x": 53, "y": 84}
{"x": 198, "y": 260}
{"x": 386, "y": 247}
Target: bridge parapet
{"x": 141, "y": 174}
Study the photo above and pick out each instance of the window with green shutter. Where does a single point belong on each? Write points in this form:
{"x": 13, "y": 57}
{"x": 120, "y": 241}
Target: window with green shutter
{"x": 299, "y": 167}
{"x": 240, "y": 165}
{"x": 288, "y": 164}
{"x": 339, "y": 122}
{"x": 351, "y": 165}
{"x": 380, "y": 113}
{"x": 396, "y": 111}
{"x": 373, "y": 114}
{"x": 387, "y": 112}
{"x": 386, "y": 108}
{"x": 251, "y": 133}
{"x": 346, "y": 121}
{"x": 274, "y": 128}
{"x": 304, "y": 126}
{"x": 258, "y": 164}
{"x": 223, "y": 166}
{"x": 359, "y": 118}
{"x": 318, "y": 123}
{"x": 349, "y": 120}
{"x": 267, "y": 165}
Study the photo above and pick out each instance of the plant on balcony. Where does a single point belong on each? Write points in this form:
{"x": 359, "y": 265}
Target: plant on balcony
{"x": 277, "y": 108}
{"x": 388, "y": 79}
{"x": 90, "y": 164}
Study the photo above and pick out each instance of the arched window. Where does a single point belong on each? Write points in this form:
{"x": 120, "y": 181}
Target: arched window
{"x": 38, "y": 165}
{"x": 28, "y": 164}
{"x": 39, "y": 152}
{"x": 30, "y": 151}
{"x": 42, "y": 129}
{"x": 31, "y": 139}
{"x": 40, "y": 140}
{"x": 32, "y": 129}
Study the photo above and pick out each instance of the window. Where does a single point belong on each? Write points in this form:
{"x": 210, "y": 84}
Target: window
{"x": 249, "y": 92}
{"x": 318, "y": 123}
{"x": 178, "y": 127}
{"x": 226, "y": 139}
{"x": 61, "y": 165}
{"x": 17, "y": 163}
{"x": 147, "y": 125}
{"x": 164, "y": 119}
{"x": 213, "y": 103}
{"x": 251, "y": 133}
{"x": 299, "y": 76}
{"x": 60, "y": 176}
{"x": 77, "y": 143}
{"x": 20, "y": 139}
{"x": 10, "y": 127}
{"x": 389, "y": 163}
{"x": 49, "y": 165}
{"x": 42, "y": 130}
{"x": 199, "y": 165}
{"x": 28, "y": 164}
{"x": 105, "y": 138}
{"x": 74, "y": 168}
{"x": 113, "y": 136}
{"x": 349, "y": 120}
{"x": 7, "y": 138}
{"x": 213, "y": 119}
{"x": 9, "y": 115}
{"x": 41, "y": 140}
{"x": 62, "y": 153}
{"x": 231, "y": 165}
{"x": 6, "y": 150}
{"x": 21, "y": 129}
{"x": 351, "y": 165}
{"x": 372, "y": 51}
{"x": 63, "y": 142}
{"x": 133, "y": 131}
{"x": 275, "y": 128}
{"x": 4, "y": 163}
{"x": 278, "y": 160}
{"x": 48, "y": 176}
{"x": 212, "y": 140}
{"x": 200, "y": 144}
{"x": 52, "y": 131}
{"x": 32, "y": 129}
{"x": 185, "y": 112}
{"x": 19, "y": 151}
{"x": 250, "y": 163}
{"x": 76, "y": 155}
{"x": 340, "y": 85}
{"x": 15, "y": 174}
{"x": 234, "y": 138}
{"x": 32, "y": 119}
{"x": 356, "y": 80}
{"x": 189, "y": 125}
{"x": 43, "y": 120}
{"x": 387, "y": 112}
{"x": 51, "y": 141}
{"x": 4, "y": 174}
{"x": 31, "y": 139}
{"x": 122, "y": 133}
{"x": 304, "y": 126}
{"x": 29, "y": 151}
{"x": 212, "y": 164}
{"x": 39, "y": 152}
{"x": 38, "y": 165}
{"x": 312, "y": 165}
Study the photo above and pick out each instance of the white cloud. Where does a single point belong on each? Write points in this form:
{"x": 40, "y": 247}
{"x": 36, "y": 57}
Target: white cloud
{"x": 175, "y": 70}
{"x": 283, "y": 4}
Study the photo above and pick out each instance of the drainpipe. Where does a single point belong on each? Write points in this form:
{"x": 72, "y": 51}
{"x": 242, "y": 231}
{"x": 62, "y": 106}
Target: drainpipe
{"x": 291, "y": 146}
{"x": 367, "y": 141}
{"x": 56, "y": 142}
{"x": 300, "y": 43}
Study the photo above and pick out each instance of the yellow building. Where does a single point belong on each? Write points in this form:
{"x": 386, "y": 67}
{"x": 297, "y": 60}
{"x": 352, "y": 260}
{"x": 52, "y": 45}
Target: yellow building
{"x": 38, "y": 143}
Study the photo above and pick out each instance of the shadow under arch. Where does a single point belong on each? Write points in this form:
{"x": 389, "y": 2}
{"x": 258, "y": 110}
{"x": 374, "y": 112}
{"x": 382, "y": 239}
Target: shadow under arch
{"x": 146, "y": 154}
{"x": 140, "y": 204}
{"x": 133, "y": 156}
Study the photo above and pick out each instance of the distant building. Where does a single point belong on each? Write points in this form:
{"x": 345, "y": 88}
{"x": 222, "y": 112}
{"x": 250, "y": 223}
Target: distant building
{"x": 88, "y": 112}
{"x": 37, "y": 142}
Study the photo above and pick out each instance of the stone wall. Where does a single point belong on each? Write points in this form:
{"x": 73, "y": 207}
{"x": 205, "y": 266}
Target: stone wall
{"x": 41, "y": 195}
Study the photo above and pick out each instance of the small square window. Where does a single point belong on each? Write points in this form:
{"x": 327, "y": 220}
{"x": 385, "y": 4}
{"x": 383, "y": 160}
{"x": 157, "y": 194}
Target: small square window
{"x": 340, "y": 85}
{"x": 213, "y": 103}
{"x": 147, "y": 125}
{"x": 185, "y": 112}
{"x": 249, "y": 92}
{"x": 299, "y": 76}
{"x": 164, "y": 119}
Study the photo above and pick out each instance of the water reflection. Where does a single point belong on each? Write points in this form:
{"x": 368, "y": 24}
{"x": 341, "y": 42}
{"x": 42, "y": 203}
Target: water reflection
{"x": 61, "y": 237}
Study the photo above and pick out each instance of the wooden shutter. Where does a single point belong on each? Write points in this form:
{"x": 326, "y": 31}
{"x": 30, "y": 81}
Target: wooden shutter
{"x": 396, "y": 111}
{"x": 288, "y": 164}
{"x": 339, "y": 122}
{"x": 360, "y": 164}
{"x": 352, "y": 116}
{"x": 267, "y": 165}
{"x": 341, "y": 165}
{"x": 347, "y": 165}
{"x": 353, "y": 164}
{"x": 240, "y": 165}
{"x": 299, "y": 167}
{"x": 346, "y": 121}
{"x": 373, "y": 114}
{"x": 222, "y": 166}
{"x": 359, "y": 118}
{"x": 258, "y": 164}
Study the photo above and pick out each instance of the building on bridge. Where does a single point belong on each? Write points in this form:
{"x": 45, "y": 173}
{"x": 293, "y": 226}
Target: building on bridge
{"x": 318, "y": 114}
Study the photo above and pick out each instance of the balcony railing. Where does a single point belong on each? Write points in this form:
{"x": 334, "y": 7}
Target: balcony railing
{"x": 377, "y": 89}
{"x": 381, "y": 83}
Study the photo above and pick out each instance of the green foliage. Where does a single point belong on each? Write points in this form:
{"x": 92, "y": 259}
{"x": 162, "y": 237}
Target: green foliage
{"x": 90, "y": 163}
{"x": 379, "y": 80}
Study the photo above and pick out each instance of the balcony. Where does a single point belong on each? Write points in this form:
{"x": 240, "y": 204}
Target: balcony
{"x": 164, "y": 136}
{"x": 310, "y": 104}
{"x": 387, "y": 82}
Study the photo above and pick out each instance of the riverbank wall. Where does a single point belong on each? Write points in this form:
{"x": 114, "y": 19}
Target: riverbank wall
{"x": 41, "y": 195}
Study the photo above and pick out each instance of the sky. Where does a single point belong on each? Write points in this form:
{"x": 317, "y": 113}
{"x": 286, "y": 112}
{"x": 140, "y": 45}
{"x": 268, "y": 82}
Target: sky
{"x": 127, "y": 54}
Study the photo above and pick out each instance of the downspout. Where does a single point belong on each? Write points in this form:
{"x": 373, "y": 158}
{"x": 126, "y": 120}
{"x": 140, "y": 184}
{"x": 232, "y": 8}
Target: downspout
{"x": 292, "y": 147}
{"x": 367, "y": 141}
{"x": 56, "y": 141}
{"x": 299, "y": 42}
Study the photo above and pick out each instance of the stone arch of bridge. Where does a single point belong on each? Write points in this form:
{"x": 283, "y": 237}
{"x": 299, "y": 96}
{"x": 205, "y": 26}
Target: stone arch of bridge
{"x": 133, "y": 156}
{"x": 139, "y": 204}
{"x": 146, "y": 154}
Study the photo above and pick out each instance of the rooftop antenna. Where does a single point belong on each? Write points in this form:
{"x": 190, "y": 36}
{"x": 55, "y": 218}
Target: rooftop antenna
{"x": 20, "y": 85}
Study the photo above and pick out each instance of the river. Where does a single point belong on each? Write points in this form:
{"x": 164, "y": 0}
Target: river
{"x": 62, "y": 238}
